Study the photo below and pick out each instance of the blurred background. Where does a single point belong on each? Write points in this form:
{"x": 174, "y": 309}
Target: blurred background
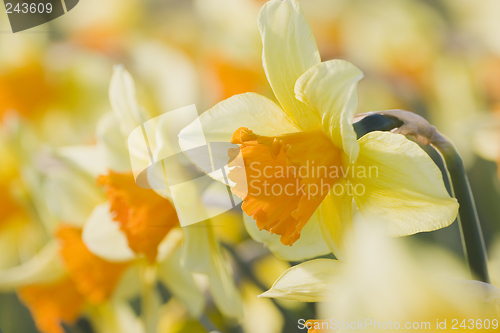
{"x": 438, "y": 58}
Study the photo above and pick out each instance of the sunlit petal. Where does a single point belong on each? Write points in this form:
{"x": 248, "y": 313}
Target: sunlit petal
{"x": 396, "y": 180}
{"x": 310, "y": 244}
{"x": 123, "y": 100}
{"x": 336, "y": 219}
{"x": 45, "y": 267}
{"x": 307, "y": 282}
{"x": 329, "y": 88}
{"x": 181, "y": 284}
{"x": 103, "y": 236}
{"x": 289, "y": 51}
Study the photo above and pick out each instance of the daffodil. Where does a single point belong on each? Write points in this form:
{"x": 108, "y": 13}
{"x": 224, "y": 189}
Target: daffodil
{"x": 385, "y": 282}
{"x": 110, "y": 235}
{"x": 20, "y": 235}
{"x": 142, "y": 225}
{"x": 311, "y": 131}
{"x": 63, "y": 280}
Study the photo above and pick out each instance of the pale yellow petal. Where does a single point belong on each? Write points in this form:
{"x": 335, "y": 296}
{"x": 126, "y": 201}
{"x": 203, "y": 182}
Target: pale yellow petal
{"x": 196, "y": 248}
{"x": 115, "y": 317}
{"x": 336, "y": 218}
{"x": 310, "y": 244}
{"x": 223, "y": 288}
{"x": 330, "y": 88}
{"x": 44, "y": 267}
{"x": 218, "y": 125}
{"x": 203, "y": 254}
{"x": 71, "y": 196}
{"x": 394, "y": 179}
{"x": 170, "y": 244}
{"x": 123, "y": 100}
{"x": 289, "y": 51}
{"x": 307, "y": 282}
{"x": 86, "y": 158}
{"x": 250, "y": 110}
{"x": 181, "y": 284}
{"x": 103, "y": 237}
{"x": 480, "y": 291}
{"x": 111, "y": 145}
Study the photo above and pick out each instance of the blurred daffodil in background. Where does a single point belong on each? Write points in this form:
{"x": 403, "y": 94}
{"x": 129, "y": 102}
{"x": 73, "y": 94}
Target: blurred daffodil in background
{"x": 388, "y": 281}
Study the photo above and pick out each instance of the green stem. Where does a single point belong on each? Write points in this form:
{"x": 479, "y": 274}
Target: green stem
{"x": 148, "y": 301}
{"x": 470, "y": 227}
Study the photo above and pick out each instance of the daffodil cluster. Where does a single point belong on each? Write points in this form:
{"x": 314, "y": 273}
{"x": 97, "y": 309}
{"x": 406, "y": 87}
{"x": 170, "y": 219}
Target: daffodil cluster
{"x": 122, "y": 211}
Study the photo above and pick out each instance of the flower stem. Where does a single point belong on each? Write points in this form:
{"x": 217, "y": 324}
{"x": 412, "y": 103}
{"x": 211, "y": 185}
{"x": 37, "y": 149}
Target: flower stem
{"x": 470, "y": 227}
{"x": 148, "y": 300}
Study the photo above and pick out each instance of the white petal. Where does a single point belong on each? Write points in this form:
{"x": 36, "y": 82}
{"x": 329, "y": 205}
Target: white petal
{"x": 103, "y": 236}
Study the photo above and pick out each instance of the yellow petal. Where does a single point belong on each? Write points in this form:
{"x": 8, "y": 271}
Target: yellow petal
{"x": 336, "y": 218}
{"x": 480, "y": 291}
{"x": 309, "y": 245}
{"x": 103, "y": 236}
{"x": 115, "y": 317}
{"x": 289, "y": 51}
{"x": 307, "y": 282}
{"x": 44, "y": 267}
{"x": 86, "y": 158}
{"x": 330, "y": 89}
{"x": 202, "y": 254}
{"x": 181, "y": 284}
{"x": 401, "y": 184}
{"x": 196, "y": 247}
{"x": 219, "y": 123}
{"x": 111, "y": 144}
{"x": 245, "y": 110}
{"x": 222, "y": 287}
{"x": 70, "y": 196}
{"x": 123, "y": 100}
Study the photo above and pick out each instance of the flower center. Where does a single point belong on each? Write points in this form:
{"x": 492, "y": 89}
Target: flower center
{"x": 144, "y": 216}
{"x": 284, "y": 179}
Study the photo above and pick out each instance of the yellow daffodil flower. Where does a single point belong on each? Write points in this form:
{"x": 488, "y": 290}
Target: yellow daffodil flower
{"x": 386, "y": 282}
{"x": 307, "y": 151}
{"x": 64, "y": 280}
{"x": 136, "y": 223}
